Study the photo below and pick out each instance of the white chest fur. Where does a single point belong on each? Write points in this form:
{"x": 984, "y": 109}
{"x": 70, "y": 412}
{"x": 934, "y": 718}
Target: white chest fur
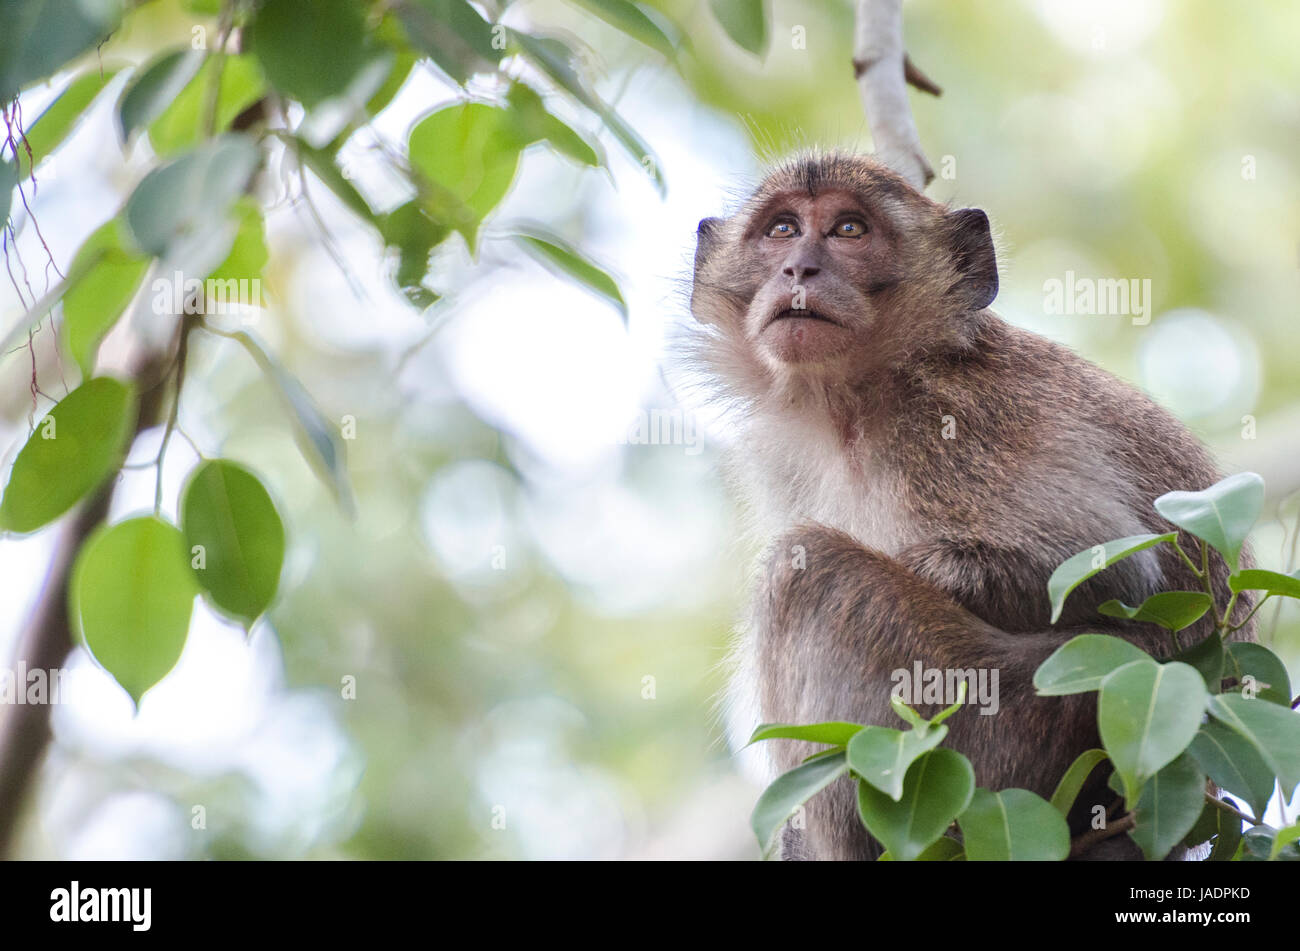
{"x": 794, "y": 471}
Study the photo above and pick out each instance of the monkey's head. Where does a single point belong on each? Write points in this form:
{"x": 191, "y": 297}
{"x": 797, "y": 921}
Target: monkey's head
{"x": 836, "y": 267}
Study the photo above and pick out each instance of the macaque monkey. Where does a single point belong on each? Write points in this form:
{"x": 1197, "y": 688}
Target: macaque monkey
{"x": 917, "y": 468}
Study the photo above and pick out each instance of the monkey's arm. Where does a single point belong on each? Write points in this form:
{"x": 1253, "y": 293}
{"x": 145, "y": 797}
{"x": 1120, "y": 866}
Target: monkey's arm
{"x": 881, "y": 613}
{"x": 837, "y": 629}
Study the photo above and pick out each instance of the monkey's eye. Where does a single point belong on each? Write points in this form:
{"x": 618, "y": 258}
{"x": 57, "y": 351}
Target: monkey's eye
{"x": 850, "y": 228}
{"x": 783, "y": 229}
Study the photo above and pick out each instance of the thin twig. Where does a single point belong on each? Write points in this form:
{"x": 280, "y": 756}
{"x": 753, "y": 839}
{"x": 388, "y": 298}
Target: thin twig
{"x": 1228, "y": 808}
{"x": 912, "y": 73}
{"x": 1090, "y": 838}
{"x": 212, "y": 94}
{"x": 182, "y": 350}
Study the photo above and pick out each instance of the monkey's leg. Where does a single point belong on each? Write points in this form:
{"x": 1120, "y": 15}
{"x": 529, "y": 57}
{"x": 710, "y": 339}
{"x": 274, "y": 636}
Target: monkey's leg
{"x": 841, "y": 630}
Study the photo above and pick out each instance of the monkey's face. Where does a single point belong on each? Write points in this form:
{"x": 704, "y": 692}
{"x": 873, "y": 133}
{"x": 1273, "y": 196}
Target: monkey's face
{"x": 836, "y": 266}
{"x": 822, "y": 260}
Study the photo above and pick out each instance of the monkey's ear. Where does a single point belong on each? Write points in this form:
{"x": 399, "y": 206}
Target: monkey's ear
{"x": 972, "y": 250}
{"x": 704, "y": 236}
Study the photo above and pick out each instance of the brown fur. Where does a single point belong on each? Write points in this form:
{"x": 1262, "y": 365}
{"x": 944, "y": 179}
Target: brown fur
{"x": 919, "y": 547}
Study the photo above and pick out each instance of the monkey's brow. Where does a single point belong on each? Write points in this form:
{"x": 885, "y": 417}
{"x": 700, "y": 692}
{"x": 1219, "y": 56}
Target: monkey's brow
{"x": 782, "y": 203}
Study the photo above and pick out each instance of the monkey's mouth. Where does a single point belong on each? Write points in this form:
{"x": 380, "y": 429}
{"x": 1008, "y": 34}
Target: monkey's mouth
{"x": 791, "y": 314}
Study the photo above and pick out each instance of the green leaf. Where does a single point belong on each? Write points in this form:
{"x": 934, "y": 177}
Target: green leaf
{"x": 1273, "y": 730}
{"x": 745, "y": 22}
{"x": 318, "y": 440}
{"x": 907, "y": 714}
{"x": 1013, "y": 825}
{"x": 41, "y": 36}
{"x": 72, "y": 451}
{"x": 1234, "y": 764}
{"x": 59, "y": 119}
{"x": 562, "y": 258}
{"x": 788, "y": 792}
{"x": 948, "y": 711}
{"x": 390, "y": 35}
{"x": 633, "y": 20}
{"x": 1255, "y": 660}
{"x": 108, "y": 276}
{"x": 453, "y": 34}
{"x": 227, "y": 513}
{"x": 1067, "y": 790}
{"x": 1207, "y": 657}
{"x": 942, "y": 849}
{"x": 1206, "y": 826}
{"x": 171, "y": 213}
{"x": 1259, "y": 844}
{"x": 468, "y": 154}
{"x": 131, "y": 597}
{"x": 248, "y": 255}
{"x": 155, "y": 87}
{"x": 533, "y": 122}
{"x": 1256, "y": 844}
{"x": 333, "y": 119}
{"x": 555, "y": 59}
{"x": 1079, "y": 568}
{"x": 1081, "y": 663}
{"x": 1283, "y": 838}
{"x": 1172, "y": 610}
{"x": 1228, "y": 838}
{"x": 1222, "y": 515}
{"x": 1115, "y": 783}
{"x": 832, "y": 732}
{"x": 1257, "y": 579}
{"x": 414, "y": 234}
{"x": 1147, "y": 714}
{"x": 829, "y": 751}
{"x": 1169, "y": 806}
{"x": 937, "y": 788}
{"x": 179, "y": 126}
{"x": 1217, "y": 826}
{"x": 881, "y": 756}
{"x": 310, "y": 57}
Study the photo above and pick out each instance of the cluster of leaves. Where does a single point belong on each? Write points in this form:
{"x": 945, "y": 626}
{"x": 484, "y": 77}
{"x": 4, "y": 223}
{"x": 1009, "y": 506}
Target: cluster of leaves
{"x": 343, "y": 64}
{"x": 1219, "y": 710}
{"x": 272, "y": 79}
{"x": 910, "y": 792}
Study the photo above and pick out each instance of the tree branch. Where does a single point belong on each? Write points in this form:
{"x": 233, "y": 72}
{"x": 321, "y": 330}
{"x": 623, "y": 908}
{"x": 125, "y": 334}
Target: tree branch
{"x": 879, "y": 63}
{"x": 47, "y": 639}
{"x": 1090, "y": 838}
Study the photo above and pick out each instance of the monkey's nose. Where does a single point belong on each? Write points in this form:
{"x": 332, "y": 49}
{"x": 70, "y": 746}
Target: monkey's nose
{"x": 707, "y": 227}
{"x": 800, "y": 271}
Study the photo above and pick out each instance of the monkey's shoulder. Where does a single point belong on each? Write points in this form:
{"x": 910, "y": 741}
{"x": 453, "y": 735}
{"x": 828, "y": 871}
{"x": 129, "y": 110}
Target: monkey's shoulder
{"x": 1021, "y": 396}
